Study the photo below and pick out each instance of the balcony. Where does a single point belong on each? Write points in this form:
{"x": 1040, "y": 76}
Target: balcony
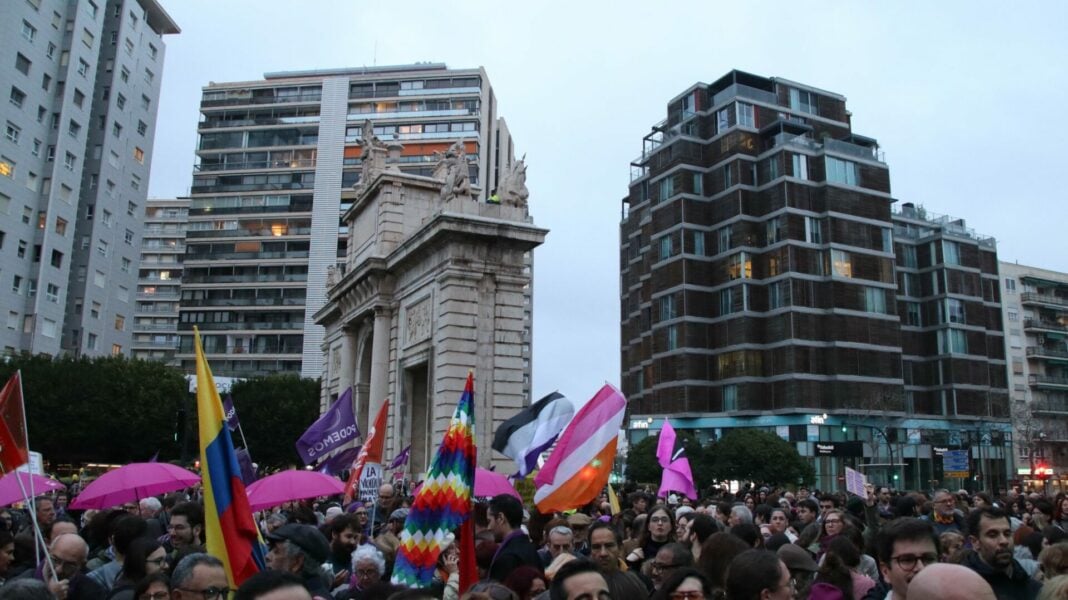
{"x": 242, "y": 100}
{"x": 413, "y": 114}
{"x": 1045, "y": 326}
{"x": 303, "y": 163}
{"x": 1048, "y": 381}
{"x": 294, "y": 326}
{"x": 263, "y": 232}
{"x": 224, "y": 123}
{"x": 216, "y": 256}
{"x": 1056, "y": 302}
{"x": 850, "y": 149}
{"x": 160, "y": 327}
{"x": 1059, "y": 406}
{"x": 267, "y": 278}
{"x": 158, "y": 310}
{"x": 740, "y": 90}
{"x": 1050, "y": 353}
{"x": 155, "y": 247}
{"x": 164, "y": 344}
{"x": 188, "y": 303}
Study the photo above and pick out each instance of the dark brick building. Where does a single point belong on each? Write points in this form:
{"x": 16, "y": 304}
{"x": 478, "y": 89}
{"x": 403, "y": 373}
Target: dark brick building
{"x": 762, "y": 285}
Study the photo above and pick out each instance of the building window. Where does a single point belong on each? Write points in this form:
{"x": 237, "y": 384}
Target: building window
{"x": 913, "y": 314}
{"x": 128, "y": 237}
{"x": 90, "y": 341}
{"x": 79, "y": 98}
{"x": 94, "y": 309}
{"x": 152, "y": 52}
{"x": 74, "y": 128}
{"x": 142, "y": 127}
{"x": 116, "y": 129}
{"x": 875, "y": 300}
{"x": 17, "y": 96}
{"x": 61, "y": 226}
{"x": 723, "y": 239}
{"x": 149, "y": 76}
{"x": 699, "y": 243}
{"x": 83, "y": 68}
{"x": 672, "y": 337}
{"x": 665, "y": 247}
{"x": 803, "y": 101}
{"x": 778, "y": 294}
{"x": 69, "y": 160}
{"x": 800, "y": 166}
{"x": 120, "y": 322}
{"x": 1013, "y": 315}
{"x": 22, "y": 63}
{"x": 88, "y": 38}
{"x": 954, "y": 311}
{"x": 16, "y": 285}
{"x": 29, "y": 31}
{"x": 52, "y": 293}
{"x": 746, "y": 117}
{"x": 120, "y": 101}
{"x": 139, "y": 155}
{"x": 125, "y": 265}
{"x": 57, "y": 259}
{"x": 48, "y": 328}
{"x": 698, "y": 184}
{"x": 841, "y": 263}
{"x": 728, "y": 177}
{"x": 145, "y": 102}
{"x": 950, "y": 252}
{"x": 841, "y": 171}
{"x": 1010, "y": 285}
{"x": 106, "y": 218}
{"x": 667, "y": 308}
{"x": 813, "y": 234}
{"x": 12, "y": 132}
{"x": 116, "y": 350}
{"x": 908, "y": 254}
{"x": 722, "y": 120}
{"x": 775, "y": 230}
{"x": 739, "y": 266}
{"x": 128, "y": 43}
{"x": 952, "y": 341}
{"x": 730, "y": 398}
{"x": 124, "y": 75}
{"x": 726, "y": 302}
{"x": 667, "y": 187}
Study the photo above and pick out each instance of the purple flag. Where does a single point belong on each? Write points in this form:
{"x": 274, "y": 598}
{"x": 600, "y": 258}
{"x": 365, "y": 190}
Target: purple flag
{"x": 335, "y": 428}
{"x": 244, "y": 462}
{"x": 401, "y": 458}
{"x": 339, "y": 462}
{"x": 230, "y": 413}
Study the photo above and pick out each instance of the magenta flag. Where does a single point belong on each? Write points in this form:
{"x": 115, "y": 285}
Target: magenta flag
{"x": 677, "y": 475}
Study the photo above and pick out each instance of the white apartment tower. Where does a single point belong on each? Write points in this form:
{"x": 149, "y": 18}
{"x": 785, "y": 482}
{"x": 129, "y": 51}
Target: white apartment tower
{"x": 82, "y": 79}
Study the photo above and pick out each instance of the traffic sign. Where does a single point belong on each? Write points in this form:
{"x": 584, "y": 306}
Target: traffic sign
{"x": 955, "y": 464}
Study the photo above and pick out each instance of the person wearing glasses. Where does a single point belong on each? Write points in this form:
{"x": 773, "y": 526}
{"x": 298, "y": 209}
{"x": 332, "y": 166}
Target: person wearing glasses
{"x": 154, "y": 587}
{"x": 759, "y": 575}
{"x": 668, "y": 559}
{"x": 905, "y": 547}
{"x": 659, "y": 530}
{"x": 144, "y": 557}
{"x": 991, "y": 538}
{"x": 67, "y": 557}
{"x": 199, "y": 576}
{"x": 945, "y": 516}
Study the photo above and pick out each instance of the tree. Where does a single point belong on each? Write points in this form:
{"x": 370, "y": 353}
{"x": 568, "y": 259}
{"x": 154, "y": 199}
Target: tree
{"x": 104, "y": 409}
{"x": 757, "y": 455}
{"x": 274, "y": 411}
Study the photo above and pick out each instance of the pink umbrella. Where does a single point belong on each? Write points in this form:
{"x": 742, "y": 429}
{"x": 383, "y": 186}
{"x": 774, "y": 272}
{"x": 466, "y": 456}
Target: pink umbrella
{"x": 10, "y": 492}
{"x": 132, "y": 482}
{"x": 489, "y": 483}
{"x": 291, "y": 485}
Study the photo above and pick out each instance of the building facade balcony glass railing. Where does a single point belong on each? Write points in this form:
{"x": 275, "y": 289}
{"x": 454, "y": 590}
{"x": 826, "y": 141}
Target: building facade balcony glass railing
{"x": 1035, "y": 298}
{"x": 243, "y": 302}
{"x": 228, "y": 233}
{"x": 288, "y": 277}
{"x": 165, "y": 344}
{"x": 436, "y": 135}
{"x": 740, "y": 90}
{"x": 1041, "y": 324}
{"x": 1041, "y": 352}
{"x": 249, "y": 326}
{"x": 214, "y": 256}
{"x": 256, "y": 164}
{"x": 1047, "y": 381}
{"x": 256, "y": 121}
{"x": 242, "y": 100}
{"x": 411, "y": 114}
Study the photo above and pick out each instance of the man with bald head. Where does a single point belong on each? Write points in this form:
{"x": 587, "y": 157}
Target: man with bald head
{"x": 943, "y": 581}
{"x": 68, "y": 555}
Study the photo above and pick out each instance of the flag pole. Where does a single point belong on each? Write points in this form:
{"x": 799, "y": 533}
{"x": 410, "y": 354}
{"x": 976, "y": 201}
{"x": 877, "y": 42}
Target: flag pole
{"x": 31, "y": 503}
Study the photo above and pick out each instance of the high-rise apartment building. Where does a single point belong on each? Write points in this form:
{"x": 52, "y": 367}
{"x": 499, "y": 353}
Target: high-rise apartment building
{"x": 1036, "y": 326}
{"x": 273, "y": 158}
{"x": 759, "y": 289}
{"x": 82, "y": 79}
{"x": 159, "y": 279}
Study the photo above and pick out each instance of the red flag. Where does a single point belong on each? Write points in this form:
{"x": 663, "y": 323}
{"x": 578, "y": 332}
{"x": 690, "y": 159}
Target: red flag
{"x": 468, "y": 566}
{"x": 371, "y": 452}
{"x": 14, "y": 451}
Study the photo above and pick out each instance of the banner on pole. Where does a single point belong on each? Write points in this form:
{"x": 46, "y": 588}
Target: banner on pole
{"x": 370, "y": 481}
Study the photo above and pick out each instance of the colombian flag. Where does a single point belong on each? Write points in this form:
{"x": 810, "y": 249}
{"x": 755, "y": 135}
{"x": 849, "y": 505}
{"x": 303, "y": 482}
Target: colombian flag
{"x": 228, "y": 525}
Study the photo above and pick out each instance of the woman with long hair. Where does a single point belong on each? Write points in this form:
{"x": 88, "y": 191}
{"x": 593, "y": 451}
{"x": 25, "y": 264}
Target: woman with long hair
{"x": 831, "y": 527}
{"x": 145, "y": 556}
{"x": 659, "y": 530}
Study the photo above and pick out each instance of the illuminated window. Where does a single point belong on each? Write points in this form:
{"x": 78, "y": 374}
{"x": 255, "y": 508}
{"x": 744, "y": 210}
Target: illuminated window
{"x": 139, "y": 155}
{"x": 740, "y": 266}
{"x": 841, "y": 263}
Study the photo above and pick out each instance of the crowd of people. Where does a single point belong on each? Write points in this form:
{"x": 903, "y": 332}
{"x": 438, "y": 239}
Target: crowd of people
{"x": 755, "y": 544}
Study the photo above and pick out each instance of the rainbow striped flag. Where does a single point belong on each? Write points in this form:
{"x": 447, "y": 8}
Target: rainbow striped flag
{"x": 228, "y": 525}
{"x": 443, "y": 504}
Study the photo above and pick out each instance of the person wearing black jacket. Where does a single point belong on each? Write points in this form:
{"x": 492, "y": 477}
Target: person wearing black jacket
{"x": 991, "y": 537}
{"x": 505, "y": 521}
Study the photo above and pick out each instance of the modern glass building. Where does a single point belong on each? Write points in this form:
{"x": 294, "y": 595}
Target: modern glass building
{"x": 760, "y": 262}
{"x": 273, "y": 159}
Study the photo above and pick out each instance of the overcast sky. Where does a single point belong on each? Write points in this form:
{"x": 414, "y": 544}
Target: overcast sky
{"x": 962, "y": 97}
